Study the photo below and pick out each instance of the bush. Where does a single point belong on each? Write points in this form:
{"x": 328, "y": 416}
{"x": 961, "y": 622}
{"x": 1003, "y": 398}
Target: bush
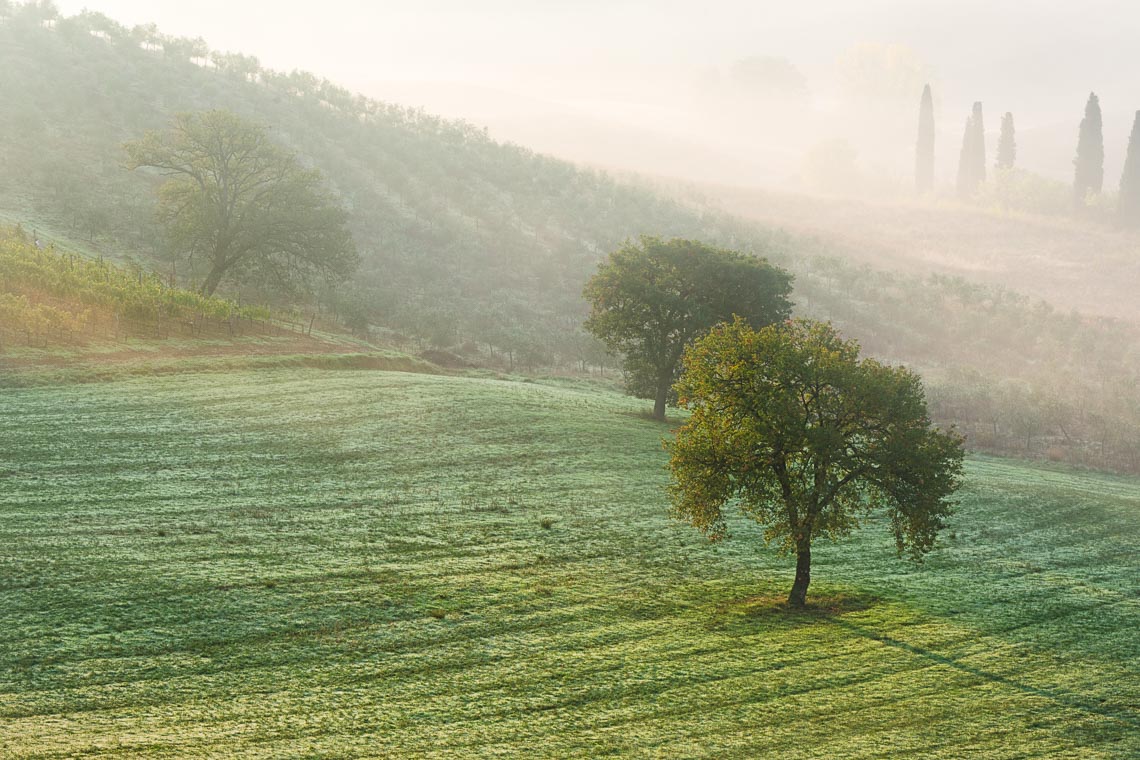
{"x": 1021, "y": 190}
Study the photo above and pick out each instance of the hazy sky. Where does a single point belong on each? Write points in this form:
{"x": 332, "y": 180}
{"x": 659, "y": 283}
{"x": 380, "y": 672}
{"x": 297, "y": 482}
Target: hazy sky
{"x": 494, "y": 60}
{"x": 1046, "y": 44}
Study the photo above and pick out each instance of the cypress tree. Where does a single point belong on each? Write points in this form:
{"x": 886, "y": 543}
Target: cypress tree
{"x": 979, "y": 157}
{"x": 1129, "y": 206}
{"x": 924, "y": 150}
{"x": 1089, "y": 163}
{"x": 972, "y": 159}
{"x": 964, "y": 161}
{"x": 1007, "y": 144}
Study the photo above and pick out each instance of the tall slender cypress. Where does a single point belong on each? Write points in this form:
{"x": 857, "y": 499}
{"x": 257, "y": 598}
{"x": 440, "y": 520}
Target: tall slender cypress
{"x": 979, "y": 157}
{"x": 1007, "y": 144}
{"x": 1089, "y": 163}
{"x": 965, "y": 185}
{"x": 972, "y": 159}
{"x": 1129, "y": 205}
{"x": 924, "y": 150}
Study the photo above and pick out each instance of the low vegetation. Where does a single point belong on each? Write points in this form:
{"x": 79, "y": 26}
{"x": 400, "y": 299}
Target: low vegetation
{"x": 37, "y": 321}
{"x": 49, "y": 296}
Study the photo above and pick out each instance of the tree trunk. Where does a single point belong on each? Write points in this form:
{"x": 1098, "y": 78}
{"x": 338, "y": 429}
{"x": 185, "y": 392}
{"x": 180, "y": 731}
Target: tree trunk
{"x": 803, "y": 575}
{"x": 664, "y": 385}
{"x": 213, "y": 279}
{"x": 659, "y": 402}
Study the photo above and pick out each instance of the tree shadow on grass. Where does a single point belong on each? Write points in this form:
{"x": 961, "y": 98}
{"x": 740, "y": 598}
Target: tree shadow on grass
{"x": 646, "y": 415}
{"x": 771, "y": 611}
{"x": 1059, "y": 696}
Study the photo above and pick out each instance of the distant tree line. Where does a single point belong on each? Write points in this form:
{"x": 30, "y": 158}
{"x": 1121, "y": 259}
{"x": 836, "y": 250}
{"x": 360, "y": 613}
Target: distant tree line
{"x": 1088, "y": 164}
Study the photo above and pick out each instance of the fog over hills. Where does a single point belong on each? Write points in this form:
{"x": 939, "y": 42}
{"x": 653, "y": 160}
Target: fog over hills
{"x": 653, "y": 88}
{"x": 1009, "y": 299}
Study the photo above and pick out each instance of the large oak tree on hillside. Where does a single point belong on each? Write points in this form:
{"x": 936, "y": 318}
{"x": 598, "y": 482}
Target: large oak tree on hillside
{"x": 651, "y": 298}
{"x": 243, "y": 203}
{"x": 808, "y": 439}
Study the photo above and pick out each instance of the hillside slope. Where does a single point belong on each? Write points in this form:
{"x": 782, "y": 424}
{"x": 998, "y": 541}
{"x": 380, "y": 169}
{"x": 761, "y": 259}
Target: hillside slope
{"x": 467, "y": 242}
{"x": 1086, "y": 265}
{"x": 67, "y": 317}
{"x": 449, "y": 223}
{"x": 358, "y": 563}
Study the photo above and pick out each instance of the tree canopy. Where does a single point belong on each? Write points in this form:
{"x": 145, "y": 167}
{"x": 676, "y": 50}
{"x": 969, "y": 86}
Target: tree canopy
{"x": 243, "y": 203}
{"x": 809, "y": 439}
{"x": 650, "y": 298}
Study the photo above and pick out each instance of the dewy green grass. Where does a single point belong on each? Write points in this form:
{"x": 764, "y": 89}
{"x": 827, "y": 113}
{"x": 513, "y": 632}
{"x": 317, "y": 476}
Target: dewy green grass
{"x": 303, "y": 562}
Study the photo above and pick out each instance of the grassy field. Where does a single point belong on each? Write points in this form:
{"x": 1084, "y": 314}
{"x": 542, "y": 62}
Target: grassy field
{"x": 304, "y": 562}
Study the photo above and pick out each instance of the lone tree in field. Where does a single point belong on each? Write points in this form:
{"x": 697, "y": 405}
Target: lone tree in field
{"x": 1089, "y": 163}
{"x": 1007, "y": 144}
{"x": 809, "y": 439}
{"x": 1129, "y": 204}
{"x": 972, "y": 159}
{"x": 244, "y": 204}
{"x": 924, "y": 149}
{"x": 649, "y": 299}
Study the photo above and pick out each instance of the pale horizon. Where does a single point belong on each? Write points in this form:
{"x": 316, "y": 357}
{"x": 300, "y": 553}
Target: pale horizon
{"x": 624, "y": 84}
